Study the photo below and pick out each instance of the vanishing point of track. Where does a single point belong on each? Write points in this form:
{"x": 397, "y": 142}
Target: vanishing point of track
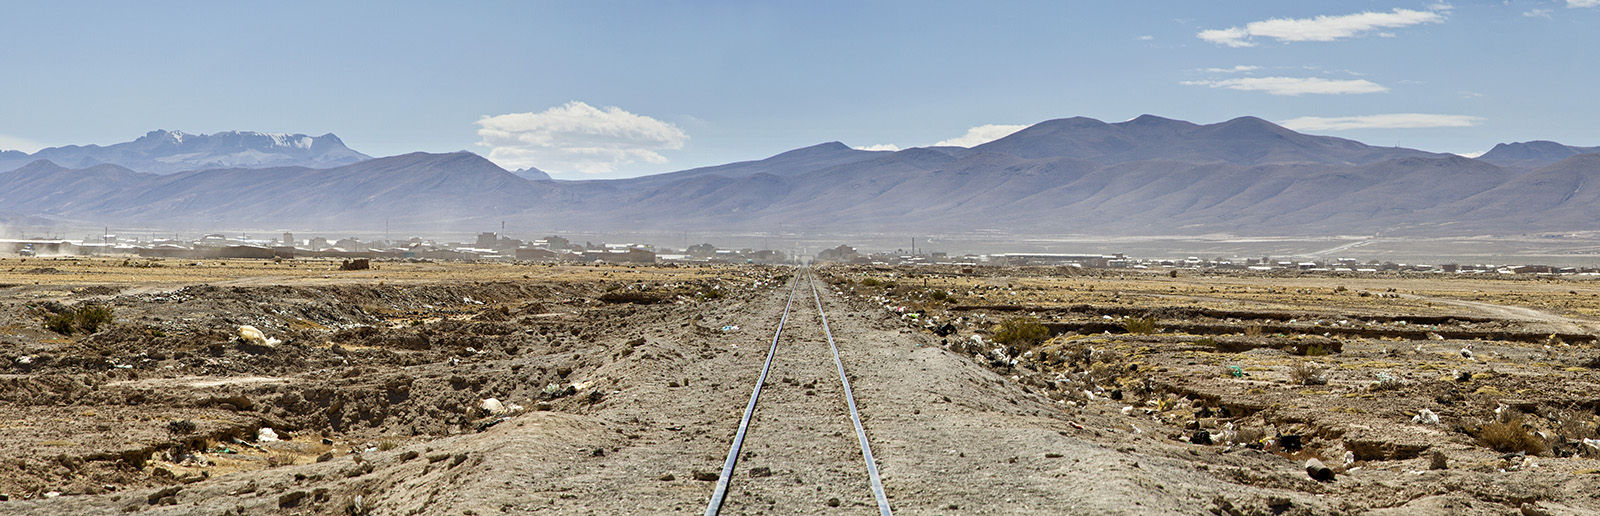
{"x": 720, "y": 494}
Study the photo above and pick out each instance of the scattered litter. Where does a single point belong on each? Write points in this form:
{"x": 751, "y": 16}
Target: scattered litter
{"x": 266, "y": 435}
{"x": 1236, "y": 371}
{"x": 252, "y": 335}
{"x": 730, "y": 328}
{"x": 1318, "y": 471}
{"x": 1426, "y": 417}
{"x": 1349, "y": 459}
{"x": 492, "y": 406}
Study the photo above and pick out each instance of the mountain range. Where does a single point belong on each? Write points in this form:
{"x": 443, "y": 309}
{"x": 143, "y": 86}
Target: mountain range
{"x": 1146, "y": 176}
{"x": 166, "y": 152}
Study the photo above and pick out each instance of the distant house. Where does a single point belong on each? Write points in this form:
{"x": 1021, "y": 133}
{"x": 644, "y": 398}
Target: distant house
{"x": 536, "y": 254}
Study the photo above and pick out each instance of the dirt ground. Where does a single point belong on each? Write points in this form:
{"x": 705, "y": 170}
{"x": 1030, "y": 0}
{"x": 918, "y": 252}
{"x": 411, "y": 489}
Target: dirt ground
{"x": 617, "y": 389}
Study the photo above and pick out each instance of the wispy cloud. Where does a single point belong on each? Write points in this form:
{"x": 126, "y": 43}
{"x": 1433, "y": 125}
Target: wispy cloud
{"x": 1386, "y": 121}
{"x": 1292, "y": 86}
{"x": 880, "y": 147}
{"x": 1147, "y": 38}
{"x": 1236, "y": 69}
{"x": 1325, "y": 28}
{"x": 8, "y": 142}
{"x": 577, "y": 137}
{"x": 1538, "y": 13}
{"x": 980, "y": 135}
{"x": 1583, "y": 3}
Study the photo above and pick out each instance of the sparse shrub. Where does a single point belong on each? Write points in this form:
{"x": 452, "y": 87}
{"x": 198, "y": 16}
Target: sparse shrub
{"x": 387, "y": 445}
{"x": 1340, "y": 288}
{"x": 1139, "y": 326}
{"x": 87, "y": 318}
{"x": 61, "y": 323}
{"x": 870, "y": 282}
{"x": 181, "y": 427}
{"x": 1207, "y": 342}
{"x": 1021, "y": 332}
{"x": 91, "y": 317}
{"x": 1307, "y": 373}
{"x": 939, "y": 295}
{"x": 280, "y": 459}
{"x": 1510, "y": 437}
{"x": 358, "y": 264}
{"x": 710, "y": 294}
{"x": 1316, "y": 350}
{"x": 1252, "y": 331}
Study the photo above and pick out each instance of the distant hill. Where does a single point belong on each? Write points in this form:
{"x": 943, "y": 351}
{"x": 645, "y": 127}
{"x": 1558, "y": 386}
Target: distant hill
{"x": 1534, "y": 154}
{"x": 1147, "y": 176}
{"x": 532, "y": 174}
{"x": 166, "y": 152}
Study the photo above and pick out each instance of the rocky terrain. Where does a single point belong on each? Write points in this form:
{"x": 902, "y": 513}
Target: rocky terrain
{"x": 434, "y": 388}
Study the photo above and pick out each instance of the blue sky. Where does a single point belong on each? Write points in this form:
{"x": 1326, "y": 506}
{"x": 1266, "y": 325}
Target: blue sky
{"x": 612, "y": 89}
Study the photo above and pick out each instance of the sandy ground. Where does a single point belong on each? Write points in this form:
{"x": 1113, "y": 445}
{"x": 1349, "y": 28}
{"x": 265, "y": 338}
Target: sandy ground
{"x": 625, "y": 385}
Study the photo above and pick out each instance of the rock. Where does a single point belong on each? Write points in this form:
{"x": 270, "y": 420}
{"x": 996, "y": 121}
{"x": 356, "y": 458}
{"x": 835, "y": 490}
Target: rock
{"x": 833, "y": 502}
{"x": 156, "y": 497}
{"x": 706, "y": 476}
{"x": 1533, "y": 509}
{"x": 1201, "y": 437}
{"x": 1438, "y": 461}
{"x": 667, "y": 477}
{"x": 292, "y": 499}
{"x": 325, "y": 457}
{"x": 408, "y": 455}
{"x": 762, "y": 471}
{"x": 1318, "y": 471}
{"x": 543, "y": 406}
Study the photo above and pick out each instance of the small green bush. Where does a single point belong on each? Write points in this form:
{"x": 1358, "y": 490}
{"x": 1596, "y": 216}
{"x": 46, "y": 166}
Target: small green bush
{"x": 60, "y": 323}
{"x": 91, "y": 317}
{"x": 1021, "y": 332}
{"x": 871, "y": 282}
{"x": 939, "y": 295}
{"x": 87, "y": 318}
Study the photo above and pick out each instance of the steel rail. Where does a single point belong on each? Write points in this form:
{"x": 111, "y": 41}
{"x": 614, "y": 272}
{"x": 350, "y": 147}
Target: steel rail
{"x": 721, "y": 492}
{"x": 855, "y": 416}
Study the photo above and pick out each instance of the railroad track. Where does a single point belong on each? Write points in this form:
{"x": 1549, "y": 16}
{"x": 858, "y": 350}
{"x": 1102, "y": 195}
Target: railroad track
{"x": 801, "y": 409}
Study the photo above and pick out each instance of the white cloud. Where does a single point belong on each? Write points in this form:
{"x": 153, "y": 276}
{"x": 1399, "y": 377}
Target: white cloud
{"x": 1387, "y": 121}
{"x": 1147, "y": 38}
{"x": 576, "y": 137}
{"x": 1538, "y": 13}
{"x": 1236, "y": 69}
{"x": 1295, "y": 85}
{"x": 8, "y": 142}
{"x": 1326, "y": 28}
{"x": 1583, "y": 3}
{"x": 980, "y": 135}
{"x": 880, "y": 147}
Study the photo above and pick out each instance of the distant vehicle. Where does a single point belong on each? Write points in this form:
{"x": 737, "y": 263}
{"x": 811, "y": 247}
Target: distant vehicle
{"x": 27, "y": 250}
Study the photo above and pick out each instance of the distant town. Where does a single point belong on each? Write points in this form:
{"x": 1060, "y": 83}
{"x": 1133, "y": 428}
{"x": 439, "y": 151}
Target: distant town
{"x": 490, "y": 246}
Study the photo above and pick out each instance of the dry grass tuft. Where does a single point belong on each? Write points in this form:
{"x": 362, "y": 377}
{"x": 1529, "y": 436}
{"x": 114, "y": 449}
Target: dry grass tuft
{"x": 1308, "y": 373}
{"x": 1022, "y": 332}
{"x": 1510, "y": 437}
